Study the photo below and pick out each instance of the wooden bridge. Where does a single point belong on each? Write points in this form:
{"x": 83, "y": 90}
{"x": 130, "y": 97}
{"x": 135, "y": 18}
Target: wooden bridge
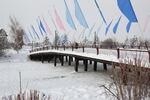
{"x": 45, "y": 54}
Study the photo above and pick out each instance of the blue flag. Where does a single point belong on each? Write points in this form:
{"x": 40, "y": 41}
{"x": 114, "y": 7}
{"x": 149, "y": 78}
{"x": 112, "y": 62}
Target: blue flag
{"x": 126, "y": 8}
{"x": 90, "y": 31}
{"x": 26, "y": 37}
{"x": 79, "y": 15}
{"x": 107, "y": 28}
{"x": 116, "y": 26}
{"x": 69, "y": 17}
{"x": 31, "y": 35}
{"x": 34, "y": 31}
{"x": 100, "y": 12}
{"x": 99, "y": 28}
{"x": 40, "y": 28}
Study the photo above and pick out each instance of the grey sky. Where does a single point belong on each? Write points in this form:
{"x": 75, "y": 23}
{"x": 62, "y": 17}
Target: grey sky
{"x": 27, "y": 11}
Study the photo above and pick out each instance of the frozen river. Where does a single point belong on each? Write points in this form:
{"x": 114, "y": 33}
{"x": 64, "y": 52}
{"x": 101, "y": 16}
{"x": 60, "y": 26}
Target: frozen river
{"x": 59, "y": 82}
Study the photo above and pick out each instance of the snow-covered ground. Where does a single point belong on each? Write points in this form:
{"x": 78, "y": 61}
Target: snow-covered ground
{"x": 62, "y": 83}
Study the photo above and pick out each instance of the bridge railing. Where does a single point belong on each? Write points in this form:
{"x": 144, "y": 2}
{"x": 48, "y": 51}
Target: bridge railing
{"x": 118, "y": 52}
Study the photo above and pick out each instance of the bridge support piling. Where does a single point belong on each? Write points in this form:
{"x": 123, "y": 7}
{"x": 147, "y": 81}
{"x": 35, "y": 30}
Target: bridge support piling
{"x": 90, "y": 61}
{"x": 62, "y": 60}
{"x": 83, "y": 49}
{"x": 76, "y": 64}
{"x": 66, "y": 58}
{"x": 71, "y": 59}
{"x": 95, "y": 66}
{"x": 49, "y": 58}
{"x": 55, "y": 61}
{"x": 42, "y": 59}
{"x": 105, "y": 66}
{"x": 85, "y": 65}
{"x": 69, "y": 63}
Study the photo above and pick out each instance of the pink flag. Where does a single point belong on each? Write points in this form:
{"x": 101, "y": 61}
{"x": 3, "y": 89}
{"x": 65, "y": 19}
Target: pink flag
{"x": 47, "y": 27}
{"x": 146, "y": 23}
{"x": 58, "y": 20}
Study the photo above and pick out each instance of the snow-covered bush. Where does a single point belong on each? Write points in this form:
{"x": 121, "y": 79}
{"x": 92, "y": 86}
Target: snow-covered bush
{"x": 3, "y": 40}
{"x": 132, "y": 81}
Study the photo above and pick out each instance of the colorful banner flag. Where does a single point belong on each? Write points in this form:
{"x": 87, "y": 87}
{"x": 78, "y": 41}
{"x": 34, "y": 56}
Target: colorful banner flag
{"x": 100, "y": 12}
{"x": 40, "y": 28}
{"x": 116, "y": 25}
{"x": 90, "y": 31}
{"x": 32, "y": 37}
{"x": 53, "y": 22}
{"x": 146, "y": 23}
{"x": 47, "y": 26}
{"x": 34, "y": 31}
{"x": 69, "y": 17}
{"x": 26, "y": 37}
{"x": 79, "y": 15}
{"x": 99, "y": 28}
{"x": 107, "y": 28}
{"x": 58, "y": 20}
{"x": 126, "y": 8}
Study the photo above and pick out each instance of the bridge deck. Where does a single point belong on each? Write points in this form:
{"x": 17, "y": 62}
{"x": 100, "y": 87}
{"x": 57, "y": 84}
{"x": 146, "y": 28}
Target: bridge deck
{"x": 48, "y": 55}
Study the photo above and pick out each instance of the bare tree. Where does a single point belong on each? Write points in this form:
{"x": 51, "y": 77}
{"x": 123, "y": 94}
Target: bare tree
{"x": 96, "y": 39}
{"x": 56, "y": 40}
{"x": 46, "y": 41}
{"x": 147, "y": 44}
{"x": 126, "y": 43}
{"x": 133, "y": 42}
{"x": 109, "y": 43}
{"x": 17, "y": 33}
{"x": 64, "y": 39}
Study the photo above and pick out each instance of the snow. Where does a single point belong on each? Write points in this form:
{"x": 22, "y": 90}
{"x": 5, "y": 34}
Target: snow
{"x": 58, "y": 82}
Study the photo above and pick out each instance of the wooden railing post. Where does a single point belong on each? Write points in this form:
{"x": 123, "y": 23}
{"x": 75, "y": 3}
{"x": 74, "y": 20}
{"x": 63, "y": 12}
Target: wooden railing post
{"x": 97, "y": 49}
{"x": 83, "y": 48}
{"x": 64, "y": 47}
{"x": 149, "y": 55}
{"x": 72, "y": 47}
{"x": 118, "y": 53}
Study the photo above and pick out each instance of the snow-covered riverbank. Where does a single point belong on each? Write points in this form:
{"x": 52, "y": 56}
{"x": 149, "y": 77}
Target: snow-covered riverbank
{"x": 59, "y": 82}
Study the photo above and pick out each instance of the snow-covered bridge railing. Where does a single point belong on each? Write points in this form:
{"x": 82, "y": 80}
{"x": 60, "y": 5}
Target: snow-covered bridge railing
{"x": 118, "y": 52}
{"x": 76, "y": 56}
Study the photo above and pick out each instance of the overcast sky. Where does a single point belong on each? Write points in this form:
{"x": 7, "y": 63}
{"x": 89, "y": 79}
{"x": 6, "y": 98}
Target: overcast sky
{"x": 27, "y": 12}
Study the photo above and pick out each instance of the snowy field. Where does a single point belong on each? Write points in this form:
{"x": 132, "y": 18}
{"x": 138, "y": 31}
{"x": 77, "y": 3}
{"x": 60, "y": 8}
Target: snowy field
{"x": 61, "y": 83}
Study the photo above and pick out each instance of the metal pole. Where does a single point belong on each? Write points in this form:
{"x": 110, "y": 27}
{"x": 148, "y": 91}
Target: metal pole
{"x": 20, "y": 82}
